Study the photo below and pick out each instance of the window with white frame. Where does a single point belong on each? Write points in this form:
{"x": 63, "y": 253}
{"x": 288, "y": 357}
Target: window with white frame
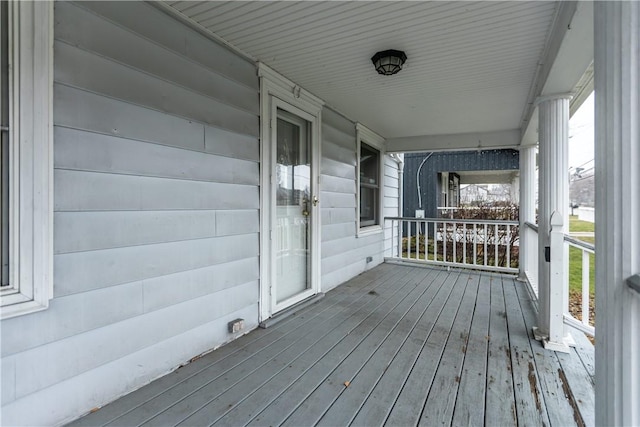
{"x": 26, "y": 154}
{"x": 369, "y": 174}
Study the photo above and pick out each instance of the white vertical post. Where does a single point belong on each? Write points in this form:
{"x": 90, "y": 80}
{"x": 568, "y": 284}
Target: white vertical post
{"x": 557, "y": 265}
{"x": 553, "y": 133}
{"x": 527, "y": 206}
{"x": 617, "y": 160}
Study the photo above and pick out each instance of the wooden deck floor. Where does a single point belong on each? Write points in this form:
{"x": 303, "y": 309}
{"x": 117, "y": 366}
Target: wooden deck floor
{"x": 396, "y": 345}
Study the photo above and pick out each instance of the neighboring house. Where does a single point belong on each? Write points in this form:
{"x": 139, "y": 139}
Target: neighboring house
{"x": 434, "y": 180}
{"x": 171, "y": 167}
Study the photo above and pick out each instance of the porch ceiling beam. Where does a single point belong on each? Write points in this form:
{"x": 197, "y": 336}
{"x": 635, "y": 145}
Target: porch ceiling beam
{"x": 455, "y": 142}
{"x": 567, "y": 59}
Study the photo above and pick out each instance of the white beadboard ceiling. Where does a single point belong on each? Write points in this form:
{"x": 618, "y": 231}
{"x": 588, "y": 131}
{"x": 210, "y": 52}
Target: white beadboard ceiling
{"x": 470, "y": 65}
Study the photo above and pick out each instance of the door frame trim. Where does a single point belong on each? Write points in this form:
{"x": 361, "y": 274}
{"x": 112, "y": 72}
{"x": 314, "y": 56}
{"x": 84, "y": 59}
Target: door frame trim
{"x": 276, "y": 92}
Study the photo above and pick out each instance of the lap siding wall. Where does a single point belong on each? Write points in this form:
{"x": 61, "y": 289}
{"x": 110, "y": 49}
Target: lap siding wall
{"x": 156, "y": 221}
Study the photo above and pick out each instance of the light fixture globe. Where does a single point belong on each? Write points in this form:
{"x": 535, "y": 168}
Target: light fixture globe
{"x": 389, "y": 62}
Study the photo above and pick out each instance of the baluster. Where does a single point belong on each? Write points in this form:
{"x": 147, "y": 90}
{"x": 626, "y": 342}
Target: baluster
{"x": 485, "y": 244}
{"x": 464, "y": 243}
{"x": 444, "y": 241}
{"x": 475, "y": 244}
{"x": 585, "y": 287}
{"x": 508, "y": 246}
{"x": 496, "y": 242}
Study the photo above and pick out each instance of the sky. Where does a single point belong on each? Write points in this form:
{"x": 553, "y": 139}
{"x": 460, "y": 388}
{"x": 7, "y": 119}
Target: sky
{"x": 581, "y": 136}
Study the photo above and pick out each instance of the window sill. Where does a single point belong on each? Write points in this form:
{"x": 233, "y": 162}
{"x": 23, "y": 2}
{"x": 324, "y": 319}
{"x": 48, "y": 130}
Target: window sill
{"x": 19, "y": 309}
{"x": 367, "y": 231}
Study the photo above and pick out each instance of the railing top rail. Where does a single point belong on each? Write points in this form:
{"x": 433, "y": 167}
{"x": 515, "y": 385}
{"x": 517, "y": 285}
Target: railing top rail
{"x": 531, "y": 225}
{"x": 460, "y": 221}
{"x": 579, "y": 243}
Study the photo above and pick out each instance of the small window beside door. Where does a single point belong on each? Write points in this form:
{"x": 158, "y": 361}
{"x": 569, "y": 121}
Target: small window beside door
{"x": 369, "y": 186}
{"x": 369, "y": 176}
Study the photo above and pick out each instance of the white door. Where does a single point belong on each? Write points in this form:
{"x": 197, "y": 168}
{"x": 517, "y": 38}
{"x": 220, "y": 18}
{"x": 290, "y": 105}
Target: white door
{"x": 294, "y": 207}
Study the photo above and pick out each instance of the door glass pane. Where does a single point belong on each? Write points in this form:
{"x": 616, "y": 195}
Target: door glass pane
{"x": 293, "y": 206}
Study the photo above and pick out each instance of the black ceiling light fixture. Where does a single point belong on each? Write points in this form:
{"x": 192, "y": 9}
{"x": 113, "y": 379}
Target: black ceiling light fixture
{"x": 389, "y": 62}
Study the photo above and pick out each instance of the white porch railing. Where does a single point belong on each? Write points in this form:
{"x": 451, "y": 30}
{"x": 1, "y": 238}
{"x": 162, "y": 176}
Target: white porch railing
{"x": 530, "y": 268}
{"x": 587, "y": 250}
{"x": 481, "y": 244}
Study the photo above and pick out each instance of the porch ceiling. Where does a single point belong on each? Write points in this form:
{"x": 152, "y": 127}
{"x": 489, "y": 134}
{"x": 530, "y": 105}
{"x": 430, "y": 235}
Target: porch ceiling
{"x": 471, "y": 65}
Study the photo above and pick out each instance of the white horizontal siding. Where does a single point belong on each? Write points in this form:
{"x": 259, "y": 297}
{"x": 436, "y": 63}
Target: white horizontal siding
{"x": 390, "y": 205}
{"x": 85, "y": 191}
{"x": 78, "y": 150}
{"x": 63, "y": 319}
{"x": 84, "y": 231}
{"x": 78, "y": 68}
{"x": 85, "y": 30}
{"x": 156, "y": 222}
{"x": 84, "y": 271}
{"x": 344, "y": 254}
{"x": 99, "y": 346}
{"x": 138, "y": 368}
{"x": 172, "y": 35}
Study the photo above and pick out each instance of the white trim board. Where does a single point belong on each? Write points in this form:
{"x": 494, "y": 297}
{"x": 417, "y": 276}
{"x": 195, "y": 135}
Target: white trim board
{"x": 277, "y": 91}
{"x": 31, "y": 159}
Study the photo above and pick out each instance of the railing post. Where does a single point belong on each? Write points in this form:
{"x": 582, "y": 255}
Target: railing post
{"x": 556, "y": 341}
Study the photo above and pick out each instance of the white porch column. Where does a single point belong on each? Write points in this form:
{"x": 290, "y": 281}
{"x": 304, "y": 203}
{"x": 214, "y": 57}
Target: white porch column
{"x": 527, "y": 206}
{"x": 553, "y": 137}
{"x": 617, "y": 160}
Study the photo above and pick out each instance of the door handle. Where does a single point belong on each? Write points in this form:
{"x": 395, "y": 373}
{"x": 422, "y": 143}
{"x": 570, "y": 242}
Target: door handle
{"x": 305, "y": 207}
{"x": 315, "y": 201}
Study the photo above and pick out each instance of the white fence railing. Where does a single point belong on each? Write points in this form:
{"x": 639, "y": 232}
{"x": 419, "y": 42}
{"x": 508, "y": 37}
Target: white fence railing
{"x": 587, "y": 250}
{"x": 481, "y": 244}
{"x": 530, "y": 247}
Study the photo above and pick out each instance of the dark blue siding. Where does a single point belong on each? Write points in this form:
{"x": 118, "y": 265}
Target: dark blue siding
{"x": 454, "y": 161}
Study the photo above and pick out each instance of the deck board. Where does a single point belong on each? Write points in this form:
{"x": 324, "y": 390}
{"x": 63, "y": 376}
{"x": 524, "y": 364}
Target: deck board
{"x": 380, "y": 401}
{"x": 427, "y": 346}
{"x": 557, "y": 399}
{"x": 408, "y": 407}
{"x": 290, "y": 399}
{"x": 360, "y": 386}
{"x": 530, "y": 406}
{"x": 312, "y": 409}
{"x": 469, "y": 409}
{"x": 500, "y": 409}
{"x": 440, "y": 404}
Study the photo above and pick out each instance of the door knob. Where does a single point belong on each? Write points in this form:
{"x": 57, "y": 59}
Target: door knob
{"x": 315, "y": 201}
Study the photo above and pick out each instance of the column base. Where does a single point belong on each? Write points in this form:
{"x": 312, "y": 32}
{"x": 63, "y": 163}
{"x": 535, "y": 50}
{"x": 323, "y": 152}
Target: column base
{"x": 564, "y": 346}
{"x": 556, "y": 346}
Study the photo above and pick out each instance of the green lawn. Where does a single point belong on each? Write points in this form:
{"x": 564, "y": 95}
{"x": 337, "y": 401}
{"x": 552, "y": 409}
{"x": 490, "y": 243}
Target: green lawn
{"x": 575, "y": 256}
{"x": 575, "y": 270}
{"x": 578, "y": 225}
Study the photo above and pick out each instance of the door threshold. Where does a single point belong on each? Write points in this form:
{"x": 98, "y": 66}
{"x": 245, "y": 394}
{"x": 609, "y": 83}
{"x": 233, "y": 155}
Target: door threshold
{"x": 291, "y": 310}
